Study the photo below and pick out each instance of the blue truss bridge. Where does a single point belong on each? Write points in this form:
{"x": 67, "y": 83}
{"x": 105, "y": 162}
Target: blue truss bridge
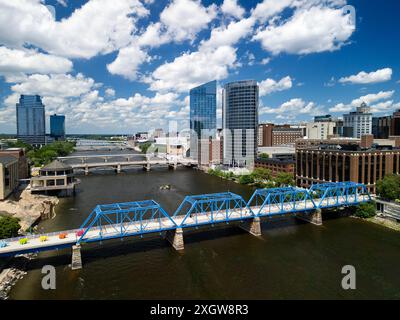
{"x": 120, "y": 220}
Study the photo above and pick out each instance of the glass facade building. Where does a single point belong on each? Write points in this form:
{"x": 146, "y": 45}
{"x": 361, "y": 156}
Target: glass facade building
{"x": 203, "y": 114}
{"x": 240, "y": 122}
{"x": 57, "y": 127}
{"x": 31, "y": 125}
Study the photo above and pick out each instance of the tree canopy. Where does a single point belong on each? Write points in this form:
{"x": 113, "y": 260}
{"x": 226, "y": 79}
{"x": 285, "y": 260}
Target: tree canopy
{"x": 284, "y": 179}
{"x": 9, "y": 227}
{"x": 48, "y": 153}
{"x": 263, "y": 156}
{"x": 389, "y": 187}
{"x": 366, "y": 210}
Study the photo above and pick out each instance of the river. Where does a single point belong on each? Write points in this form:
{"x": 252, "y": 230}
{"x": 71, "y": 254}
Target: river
{"x": 291, "y": 260}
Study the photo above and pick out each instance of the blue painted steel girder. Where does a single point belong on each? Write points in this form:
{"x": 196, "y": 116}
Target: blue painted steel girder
{"x": 336, "y": 194}
{"x": 125, "y": 219}
{"x": 211, "y": 209}
{"x": 278, "y": 201}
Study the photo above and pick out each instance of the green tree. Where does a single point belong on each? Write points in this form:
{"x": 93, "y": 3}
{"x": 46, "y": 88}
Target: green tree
{"x": 246, "y": 179}
{"x": 366, "y": 210}
{"x": 389, "y": 187}
{"x": 144, "y": 147}
{"x": 263, "y": 156}
{"x": 19, "y": 144}
{"x": 284, "y": 179}
{"x": 261, "y": 174}
{"x": 48, "y": 153}
{"x": 9, "y": 227}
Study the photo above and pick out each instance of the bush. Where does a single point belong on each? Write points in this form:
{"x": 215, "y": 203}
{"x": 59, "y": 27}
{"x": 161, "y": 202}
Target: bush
{"x": 263, "y": 156}
{"x": 366, "y": 210}
{"x": 43, "y": 238}
{"x": 389, "y": 187}
{"x": 246, "y": 179}
{"x": 9, "y": 227}
{"x": 23, "y": 241}
{"x": 261, "y": 174}
{"x": 284, "y": 179}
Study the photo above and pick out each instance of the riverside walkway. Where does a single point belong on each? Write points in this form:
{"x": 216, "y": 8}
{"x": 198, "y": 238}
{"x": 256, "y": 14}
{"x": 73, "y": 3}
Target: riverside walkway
{"x": 137, "y": 218}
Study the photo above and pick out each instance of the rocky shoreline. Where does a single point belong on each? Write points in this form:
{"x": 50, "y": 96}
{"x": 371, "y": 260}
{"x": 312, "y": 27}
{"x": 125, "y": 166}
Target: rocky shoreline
{"x": 29, "y": 209}
{"x": 15, "y": 269}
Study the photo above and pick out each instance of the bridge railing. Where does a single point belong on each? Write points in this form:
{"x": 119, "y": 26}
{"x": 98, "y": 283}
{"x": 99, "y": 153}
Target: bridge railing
{"x": 140, "y": 217}
{"x": 335, "y": 194}
{"x": 211, "y": 209}
{"x": 281, "y": 200}
{"x": 123, "y": 219}
{"x": 31, "y": 236}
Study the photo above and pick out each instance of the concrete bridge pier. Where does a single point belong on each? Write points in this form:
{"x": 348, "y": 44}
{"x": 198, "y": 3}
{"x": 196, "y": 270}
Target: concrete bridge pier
{"x": 147, "y": 166}
{"x": 119, "y": 168}
{"x": 172, "y": 166}
{"x": 175, "y": 238}
{"x": 252, "y": 226}
{"x": 76, "y": 263}
{"x": 86, "y": 170}
{"x": 314, "y": 217}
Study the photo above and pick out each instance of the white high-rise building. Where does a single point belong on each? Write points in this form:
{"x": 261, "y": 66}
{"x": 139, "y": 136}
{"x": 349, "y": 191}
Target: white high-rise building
{"x": 320, "y": 130}
{"x": 358, "y": 123}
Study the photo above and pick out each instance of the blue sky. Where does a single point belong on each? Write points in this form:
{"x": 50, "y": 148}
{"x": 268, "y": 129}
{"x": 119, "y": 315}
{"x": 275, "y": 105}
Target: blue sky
{"x": 127, "y": 66}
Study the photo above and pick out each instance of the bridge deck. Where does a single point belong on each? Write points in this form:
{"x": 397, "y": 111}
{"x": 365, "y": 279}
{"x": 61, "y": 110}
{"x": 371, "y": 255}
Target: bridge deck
{"x": 163, "y": 224}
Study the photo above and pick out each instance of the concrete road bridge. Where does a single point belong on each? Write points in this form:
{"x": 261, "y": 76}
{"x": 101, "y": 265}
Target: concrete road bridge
{"x": 137, "y": 218}
{"x": 120, "y": 161}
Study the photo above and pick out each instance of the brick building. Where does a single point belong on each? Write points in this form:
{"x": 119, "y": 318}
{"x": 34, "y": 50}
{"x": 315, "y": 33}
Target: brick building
{"x": 20, "y": 155}
{"x": 363, "y": 161}
{"x": 276, "y": 165}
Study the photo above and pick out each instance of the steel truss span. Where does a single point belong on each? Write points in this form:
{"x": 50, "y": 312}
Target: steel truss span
{"x": 137, "y": 218}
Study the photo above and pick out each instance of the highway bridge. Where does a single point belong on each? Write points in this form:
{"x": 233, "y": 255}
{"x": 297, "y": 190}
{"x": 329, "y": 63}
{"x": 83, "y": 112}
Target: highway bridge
{"x": 120, "y": 220}
{"x": 120, "y": 161}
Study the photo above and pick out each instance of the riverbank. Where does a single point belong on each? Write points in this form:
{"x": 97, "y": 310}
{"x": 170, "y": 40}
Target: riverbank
{"x": 385, "y": 222}
{"x": 29, "y": 208}
{"x": 13, "y": 270}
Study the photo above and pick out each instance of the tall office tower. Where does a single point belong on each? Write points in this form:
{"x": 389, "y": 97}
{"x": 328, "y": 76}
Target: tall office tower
{"x": 57, "y": 127}
{"x": 240, "y": 122}
{"x": 358, "y": 123}
{"x": 31, "y": 125}
{"x": 203, "y": 116}
{"x": 395, "y": 128}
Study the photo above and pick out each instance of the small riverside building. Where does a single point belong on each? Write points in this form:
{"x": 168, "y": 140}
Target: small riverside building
{"x": 55, "y": 178}
{"x": 8, "y": 175}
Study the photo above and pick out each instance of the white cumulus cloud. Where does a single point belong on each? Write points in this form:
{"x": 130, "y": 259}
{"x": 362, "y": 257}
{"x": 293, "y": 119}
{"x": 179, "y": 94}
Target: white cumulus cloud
{"x": 14, "y": 61}
{"x": 98, "y": 27}
{"x": 368, "y": 99}
{"x": 270, "y": 85}
{"x": 309, "y": 30}
{"x": 185, "y": 18}
{"x": 363, "y": 77}
{"x": 232, "y": 8}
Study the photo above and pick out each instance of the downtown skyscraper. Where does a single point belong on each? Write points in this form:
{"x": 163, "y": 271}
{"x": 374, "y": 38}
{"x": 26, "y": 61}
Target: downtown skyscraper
{"x": 240, "y": 122}
{"x": 31, "y": 124}
{"x": 57, "y": 127}
{"x": 203, "y": 115}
